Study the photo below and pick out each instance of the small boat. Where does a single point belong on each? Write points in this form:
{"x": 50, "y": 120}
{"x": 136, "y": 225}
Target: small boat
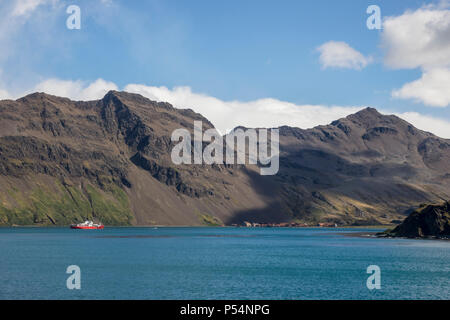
{"x": 88, "y": 225}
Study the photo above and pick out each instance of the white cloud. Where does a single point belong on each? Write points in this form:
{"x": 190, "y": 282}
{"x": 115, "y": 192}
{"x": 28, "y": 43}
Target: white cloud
{"x": 226, "y": 115}
{"x": 76, "y": 90}
{"x": 418, "y": 38}
{"x": 421, "y": 39}
{"x": 340, "y": 55}
{"x": 432, "y": 89}
{"x": 431, "y": 124}
{"x": 4, "y": 95}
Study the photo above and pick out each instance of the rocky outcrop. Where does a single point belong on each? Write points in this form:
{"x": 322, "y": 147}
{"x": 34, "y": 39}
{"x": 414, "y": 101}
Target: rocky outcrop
{"x": 429, "y": 221}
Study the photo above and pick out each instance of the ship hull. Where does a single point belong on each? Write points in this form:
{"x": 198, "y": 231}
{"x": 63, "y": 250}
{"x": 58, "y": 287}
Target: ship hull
{"x": 87, "y": 227}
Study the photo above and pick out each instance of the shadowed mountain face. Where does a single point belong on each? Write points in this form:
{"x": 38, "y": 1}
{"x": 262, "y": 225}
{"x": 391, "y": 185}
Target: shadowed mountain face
{"x": 369, "y": 167}
{"x": 63, "y": 161}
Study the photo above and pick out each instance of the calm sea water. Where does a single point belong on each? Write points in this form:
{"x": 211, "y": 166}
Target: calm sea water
{"x": 218, "y": 263}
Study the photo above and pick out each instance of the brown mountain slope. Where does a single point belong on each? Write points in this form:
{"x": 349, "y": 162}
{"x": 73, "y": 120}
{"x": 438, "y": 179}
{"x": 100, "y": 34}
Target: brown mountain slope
{"x": 63, "y": 161}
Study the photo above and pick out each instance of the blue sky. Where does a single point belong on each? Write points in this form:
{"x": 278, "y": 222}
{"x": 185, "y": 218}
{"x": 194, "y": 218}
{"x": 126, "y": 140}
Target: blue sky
{"x": 240, "y": 51}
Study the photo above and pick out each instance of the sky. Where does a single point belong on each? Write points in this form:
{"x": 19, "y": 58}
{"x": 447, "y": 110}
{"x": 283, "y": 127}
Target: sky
{"x": 252, "y": 63}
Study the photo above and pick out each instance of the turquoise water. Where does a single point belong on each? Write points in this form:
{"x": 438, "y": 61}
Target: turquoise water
{"x": 218, "y": 263}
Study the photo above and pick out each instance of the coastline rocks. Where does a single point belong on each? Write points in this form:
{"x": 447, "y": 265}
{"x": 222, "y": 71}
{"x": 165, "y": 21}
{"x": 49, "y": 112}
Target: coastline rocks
{"x": 429, "y": 221}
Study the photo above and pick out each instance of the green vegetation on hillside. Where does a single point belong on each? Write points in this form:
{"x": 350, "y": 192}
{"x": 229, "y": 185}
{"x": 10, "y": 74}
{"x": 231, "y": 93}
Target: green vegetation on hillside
{"x": 210, "y": 220}
{"x": 70, "y": 204}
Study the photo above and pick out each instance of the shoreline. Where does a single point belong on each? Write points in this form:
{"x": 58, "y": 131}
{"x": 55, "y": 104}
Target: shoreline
{"x": 356, "y": 234}
{"x": 237, "y": 227}
{"x": 373, "y": 235}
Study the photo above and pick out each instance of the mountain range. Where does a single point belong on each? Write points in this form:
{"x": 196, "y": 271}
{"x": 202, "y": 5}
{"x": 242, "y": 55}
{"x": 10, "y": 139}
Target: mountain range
{"x": 64, "y": 161}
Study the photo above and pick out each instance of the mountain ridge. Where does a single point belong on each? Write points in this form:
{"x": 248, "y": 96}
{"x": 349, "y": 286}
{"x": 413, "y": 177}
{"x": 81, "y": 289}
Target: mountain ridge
{"x": 62, "y": 161}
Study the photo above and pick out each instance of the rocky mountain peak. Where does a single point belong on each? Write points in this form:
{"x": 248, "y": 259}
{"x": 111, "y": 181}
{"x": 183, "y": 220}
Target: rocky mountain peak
{"x": 369, "y": 118}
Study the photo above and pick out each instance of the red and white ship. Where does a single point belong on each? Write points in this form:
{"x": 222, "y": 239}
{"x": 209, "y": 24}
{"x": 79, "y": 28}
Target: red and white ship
{"x": 89, "y": 225}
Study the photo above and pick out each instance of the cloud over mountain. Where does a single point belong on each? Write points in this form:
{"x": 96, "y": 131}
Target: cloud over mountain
{"x": 433, "y": 88}
{"x": 79, "y": 90}
{"x": 421, "y": 39}
{"x": 226, "y": 115}
{"x": 334, "y": 54}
